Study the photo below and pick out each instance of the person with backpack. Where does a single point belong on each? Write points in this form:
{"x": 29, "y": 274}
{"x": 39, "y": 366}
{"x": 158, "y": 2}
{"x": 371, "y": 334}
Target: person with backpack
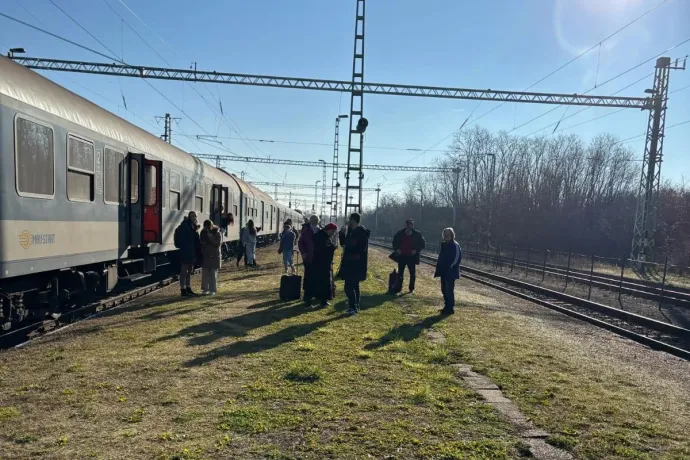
{"x": 353, "y": 267}
{"x": 408, "y": 243}
{"x": 211, "y": 239}
{"x": 287, "y": 246}
{"x": 448, "y": 269}
{"x": 187, "y": 241}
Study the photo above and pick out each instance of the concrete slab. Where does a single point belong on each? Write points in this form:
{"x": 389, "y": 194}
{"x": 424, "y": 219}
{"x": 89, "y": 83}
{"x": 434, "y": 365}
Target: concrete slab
{"x": 436, "y": 337}
{"x": 493, "y": 396}
{"x": 480, "y": 382}
{"x": 534, "y": 433}
{"x": 543, "y": 451}
{"x": 463, "y": 370}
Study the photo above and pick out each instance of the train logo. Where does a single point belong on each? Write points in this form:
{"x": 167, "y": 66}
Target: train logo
{"x": 26, "y": 239}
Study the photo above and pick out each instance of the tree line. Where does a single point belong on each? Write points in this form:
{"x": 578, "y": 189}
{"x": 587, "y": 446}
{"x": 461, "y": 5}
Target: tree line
{"x": 559, "y": 193}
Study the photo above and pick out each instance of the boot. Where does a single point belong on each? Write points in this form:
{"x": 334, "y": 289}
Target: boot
{"x": 191, "y": 293}
{"x": 183, "y": 293}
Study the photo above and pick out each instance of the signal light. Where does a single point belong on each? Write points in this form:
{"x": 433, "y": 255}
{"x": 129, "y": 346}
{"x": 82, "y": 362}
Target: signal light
{"x": 362, "y": 125}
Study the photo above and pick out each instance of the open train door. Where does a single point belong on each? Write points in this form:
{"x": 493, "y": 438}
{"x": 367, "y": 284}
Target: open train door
{"x": 145, "y": 200}
{"x": 220, "y": 205}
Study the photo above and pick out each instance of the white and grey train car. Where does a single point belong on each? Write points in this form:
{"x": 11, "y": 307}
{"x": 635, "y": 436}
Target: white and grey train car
{"x": 87, "y": 198}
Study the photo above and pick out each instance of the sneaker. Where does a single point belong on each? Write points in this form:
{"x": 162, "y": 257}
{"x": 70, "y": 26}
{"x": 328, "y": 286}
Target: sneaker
{"x": 351, "y": 312}
{"x": 205, "y": 293}
{"x": 325, "y": 304}
{"x": 447, "y": 311}
{"x": 212, "y": 293}
{"x": 191, "y": 293}
{"x": 411, "y": 292}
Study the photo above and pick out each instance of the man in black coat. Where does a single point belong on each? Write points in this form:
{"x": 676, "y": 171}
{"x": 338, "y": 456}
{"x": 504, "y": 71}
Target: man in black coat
{"x": 407, "y": 244}
{"x": 322, "y": 263}
{"x": 187, "y": 241}
{"x": 353, "y": 267}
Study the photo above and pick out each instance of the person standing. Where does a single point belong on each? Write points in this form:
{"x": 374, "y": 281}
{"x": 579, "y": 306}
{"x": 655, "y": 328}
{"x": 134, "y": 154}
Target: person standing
{"x": 249, "y": 241}
{"x": 287, "y": 247}
{"x": 187, "y": 241}
{"x": 322, "y": 263}
{"x": 353, "y": 267}
{"x": 407, "y": 244}
{"x": 448, "y": 269}
{"x": 211, "y": 239}
{"x": 306, "y": 248}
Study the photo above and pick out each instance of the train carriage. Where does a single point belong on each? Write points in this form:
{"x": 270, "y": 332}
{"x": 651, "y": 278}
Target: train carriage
{"x": 87, "y": 199}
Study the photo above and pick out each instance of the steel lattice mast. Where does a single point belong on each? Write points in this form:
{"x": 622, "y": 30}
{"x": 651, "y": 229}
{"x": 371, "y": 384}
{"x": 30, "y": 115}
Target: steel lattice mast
{"x": 650, "y": 179}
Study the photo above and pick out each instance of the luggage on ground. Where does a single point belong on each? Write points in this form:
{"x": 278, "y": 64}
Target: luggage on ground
{"x": 291, "y": 285}
{"x": 394, "y": 283}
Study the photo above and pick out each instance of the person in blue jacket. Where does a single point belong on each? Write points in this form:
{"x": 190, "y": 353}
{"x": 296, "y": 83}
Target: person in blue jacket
{"x": 448, "y": 269}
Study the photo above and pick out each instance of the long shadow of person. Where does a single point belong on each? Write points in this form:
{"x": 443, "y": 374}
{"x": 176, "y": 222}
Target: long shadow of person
{"x": 264, "y": 343}
{"x": 405, "y": 332}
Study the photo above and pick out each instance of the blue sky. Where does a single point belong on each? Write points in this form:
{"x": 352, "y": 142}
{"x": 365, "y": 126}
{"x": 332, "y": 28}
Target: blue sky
{"x": 495, "y": 44}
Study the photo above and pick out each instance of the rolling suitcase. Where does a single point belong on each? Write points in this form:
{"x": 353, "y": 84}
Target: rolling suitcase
{"x": 291, "y": 285}
{"x": 394, "y": 284}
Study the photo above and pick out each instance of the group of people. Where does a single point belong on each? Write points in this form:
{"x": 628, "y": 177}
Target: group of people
{"x": 317, "y": 245}
{"x": 198, "y": 248}
{"x": 408, "y": 244}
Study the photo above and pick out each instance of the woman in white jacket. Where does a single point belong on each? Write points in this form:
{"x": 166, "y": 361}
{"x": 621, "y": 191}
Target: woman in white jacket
{"x": 249, "y": 241}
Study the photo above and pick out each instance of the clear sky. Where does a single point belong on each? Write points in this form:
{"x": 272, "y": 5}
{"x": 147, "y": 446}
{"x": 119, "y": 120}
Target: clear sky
{"x": 507, "y": 45}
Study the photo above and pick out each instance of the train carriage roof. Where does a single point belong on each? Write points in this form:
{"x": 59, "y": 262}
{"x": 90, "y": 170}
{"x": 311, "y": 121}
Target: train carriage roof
{"x": 24, "y": 85}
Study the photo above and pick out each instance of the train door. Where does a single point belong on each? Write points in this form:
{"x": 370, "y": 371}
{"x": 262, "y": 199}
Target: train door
{"x": 216, "y": 203}
{"x": 145, "y": 200}
{"x": 263, "y": 215}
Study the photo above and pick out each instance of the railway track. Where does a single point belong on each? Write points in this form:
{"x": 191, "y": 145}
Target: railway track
{"x": 655, "y": 334}
{"x": 638, "y": 288}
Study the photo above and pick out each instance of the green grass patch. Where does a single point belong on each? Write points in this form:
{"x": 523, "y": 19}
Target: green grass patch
{"x": 7, "y": 413}
{"x": 303, "y": 372}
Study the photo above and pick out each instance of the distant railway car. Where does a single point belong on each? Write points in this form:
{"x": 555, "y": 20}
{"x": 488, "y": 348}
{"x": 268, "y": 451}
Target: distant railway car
{"x": 87, "y": 199}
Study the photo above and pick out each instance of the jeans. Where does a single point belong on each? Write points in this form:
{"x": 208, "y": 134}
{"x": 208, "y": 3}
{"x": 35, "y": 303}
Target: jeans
{"x": 251, "y": 252}
{"x": 448, "y": 290}
{"x": 186, "y": 276}
{"x": 209, "y": 279}
{"x": 241, "y": 255}
{"x": 352, "y": 293}
{"x": 288, "y": 258}
{"x": 409, "y": 263}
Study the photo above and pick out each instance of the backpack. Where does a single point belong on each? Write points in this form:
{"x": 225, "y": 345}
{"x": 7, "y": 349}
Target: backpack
{"x": 394, "y": 284}
{"x": 178, "y": 237}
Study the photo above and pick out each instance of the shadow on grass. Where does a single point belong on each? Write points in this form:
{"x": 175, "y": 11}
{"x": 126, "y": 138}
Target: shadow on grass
{"x": 405, "y": 332}
{"x": 366, "y": 302}
{"x": 238, "y": 326}
{"x": 264, "y": 343}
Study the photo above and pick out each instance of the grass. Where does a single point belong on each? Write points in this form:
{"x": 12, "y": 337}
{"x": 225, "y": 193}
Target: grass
{"x": 243, "y": 375}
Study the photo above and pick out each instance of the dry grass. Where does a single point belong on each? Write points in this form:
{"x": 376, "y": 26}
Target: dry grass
{"x": 243, "y": 375}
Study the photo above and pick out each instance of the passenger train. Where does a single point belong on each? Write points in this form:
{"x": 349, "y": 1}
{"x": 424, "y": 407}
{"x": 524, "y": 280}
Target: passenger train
{"x": 87, "y": 199}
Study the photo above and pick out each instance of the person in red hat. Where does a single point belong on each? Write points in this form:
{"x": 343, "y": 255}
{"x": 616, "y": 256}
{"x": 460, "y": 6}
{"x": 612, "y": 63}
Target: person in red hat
{"x": 322, "y": 263}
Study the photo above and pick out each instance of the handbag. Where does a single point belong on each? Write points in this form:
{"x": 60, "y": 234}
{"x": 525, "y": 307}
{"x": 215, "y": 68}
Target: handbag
{"x": 394, "y": 257}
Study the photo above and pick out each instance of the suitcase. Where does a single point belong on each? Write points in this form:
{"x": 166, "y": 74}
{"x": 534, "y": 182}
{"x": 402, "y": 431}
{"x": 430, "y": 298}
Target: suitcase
{"x": 291, "y": 285}
{"x": 394, "y": 284}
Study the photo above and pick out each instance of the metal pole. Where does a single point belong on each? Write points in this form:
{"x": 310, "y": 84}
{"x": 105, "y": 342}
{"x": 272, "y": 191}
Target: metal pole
{"x": 591, "y": 274}
{"x": 491, "y": 195}
{"x": 543, "y": 268}
{"x": 376, "y": 227}
{"x": 620, "y": 282}
{"x": 527, "y": 265}
{"x": 567, "y": 270}
{"x": 663, "y": 283}
{"x": 421, "y": 204}
{"x": 512, "y": 263}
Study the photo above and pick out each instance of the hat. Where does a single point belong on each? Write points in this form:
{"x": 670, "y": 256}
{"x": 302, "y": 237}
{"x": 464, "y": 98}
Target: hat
{"x": 330, "y": 226}
{"x": 409, "y": 221}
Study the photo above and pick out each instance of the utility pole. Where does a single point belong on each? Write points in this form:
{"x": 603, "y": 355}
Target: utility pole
{"x": 650, "y": 179}
{"x": 316, "y": 191}
{"x": 167, "y": 133}
{"x": 322, "y": 210}
{"x": 456, "y": 185}
{"x": 334, "y": 180}
{"x": 242, "y": 175}
{"x": 376, "y": 226}
{"x": 358, "y": 124}
{"x": 421, "y": 205}
{"x": 492, "y": 179}
{"x": 290, "y": 200}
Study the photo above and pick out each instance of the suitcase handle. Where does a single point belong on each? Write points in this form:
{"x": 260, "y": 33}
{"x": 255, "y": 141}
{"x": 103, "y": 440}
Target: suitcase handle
{"x": 296, "y": 264}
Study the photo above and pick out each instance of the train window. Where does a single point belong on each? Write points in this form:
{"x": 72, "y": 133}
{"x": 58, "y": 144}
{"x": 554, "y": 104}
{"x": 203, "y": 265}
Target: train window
{"x": 134, "y": 181}
{"x": 35, "y": 159}
{"x": 114, "y": 174}
{"x": 80, "y": 169}
{"x": 199, "y": 198}
{"x": 234, "y": 208}
{"x": 150, "y": 179}
{"x": 175, "y": 187}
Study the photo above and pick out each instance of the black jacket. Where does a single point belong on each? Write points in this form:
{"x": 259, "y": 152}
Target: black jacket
{"x": 320, "y": 270}
{"x": 355, "y": 254}
{"x": 418, "y": 242}
{"x": 187, "y": 241}
{"x": 449, "y": 259}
